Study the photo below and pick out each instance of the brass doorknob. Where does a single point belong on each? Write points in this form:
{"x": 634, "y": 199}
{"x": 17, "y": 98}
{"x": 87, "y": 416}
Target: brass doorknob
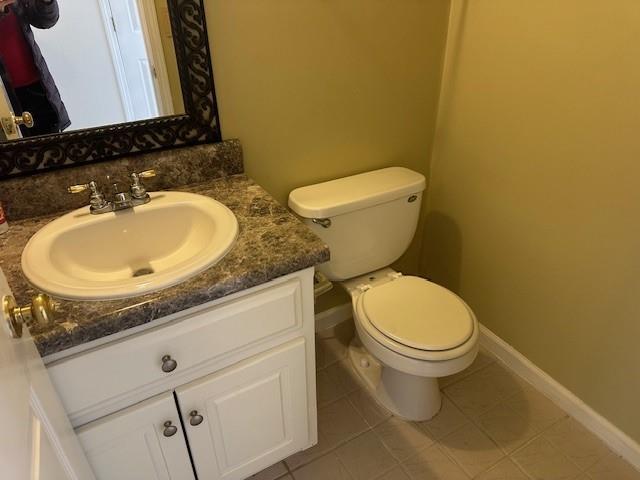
{"x": 40, "y": 311}
{"x": 10, "y": 123}
{"x": 25, "y": 119}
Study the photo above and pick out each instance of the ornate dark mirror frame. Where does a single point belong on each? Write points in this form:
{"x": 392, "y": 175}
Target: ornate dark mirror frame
{"x": 199, "y": 124}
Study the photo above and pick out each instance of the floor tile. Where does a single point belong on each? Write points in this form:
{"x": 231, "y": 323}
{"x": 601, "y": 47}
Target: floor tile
{"x": 472, "y": 449}
{"x": 332, "y": 383}
{"x": 301, "y": 458}
{"x": 321, "y": 356}
{"x": 365, "y": 457}
{"x": 581, "y": 446}
{"x": 327, "y": 390}
{"x": 484, "y": 389}
{"x": 613, "y": 467}
{"x": 333, "y": 343}
{"x": 448, "y": 419}
{"x": 324, "y": 468}
{"x": 541, "y": 460}
{"x": 505, "y": 469}
{"x": 371, "y": 411}
{"x": 488, "y": 412}
{"x": 348, "y": 376}
{"x": 271, "y": 473}
{"x": 432, "y": 464}
{"x": 396, "y": 474}
{"x": 339, "y": 421}
{"x": 403, "y": 439}
{"x": 483, "y": 359}
{"x": 505, "y": 427}
{"x": 539, "y": 411}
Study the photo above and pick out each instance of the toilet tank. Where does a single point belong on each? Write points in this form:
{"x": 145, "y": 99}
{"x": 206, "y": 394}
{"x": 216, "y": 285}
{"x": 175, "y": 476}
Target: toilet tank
{"x": 368, "y": 220}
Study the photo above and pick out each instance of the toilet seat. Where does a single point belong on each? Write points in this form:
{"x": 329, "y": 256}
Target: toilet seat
{"x": 418, "y": 313}
{"x": 417, "y": 319}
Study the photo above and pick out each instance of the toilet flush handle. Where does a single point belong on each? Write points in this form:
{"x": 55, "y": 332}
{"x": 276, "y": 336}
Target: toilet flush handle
{"x": 323, "y": 222}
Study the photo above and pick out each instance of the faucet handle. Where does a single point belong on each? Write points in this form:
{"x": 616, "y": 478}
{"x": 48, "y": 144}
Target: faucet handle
{"x": 78, "y": 188}
{"x": 138, "y": 190}
{"x": 83, "y": 187}
{"x": 97, "y": 201}
{"x": 147, "y": 174}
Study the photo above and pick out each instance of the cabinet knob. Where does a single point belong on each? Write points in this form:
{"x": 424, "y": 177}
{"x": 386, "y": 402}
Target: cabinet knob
{"x": 168, "y": 364}
{"x": 169, "y": 429}
{"x": 196, "y": 419}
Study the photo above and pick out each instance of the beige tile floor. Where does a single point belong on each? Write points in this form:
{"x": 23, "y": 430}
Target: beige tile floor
{"x": 492, "y": 426}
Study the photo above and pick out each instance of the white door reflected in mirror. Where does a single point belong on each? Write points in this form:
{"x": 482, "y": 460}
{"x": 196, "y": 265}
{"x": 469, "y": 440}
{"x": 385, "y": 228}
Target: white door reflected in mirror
{"x": 77, "y": 64}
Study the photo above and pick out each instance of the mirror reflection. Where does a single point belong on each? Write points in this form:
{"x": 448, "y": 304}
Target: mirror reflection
{"x": 73, "y": 64}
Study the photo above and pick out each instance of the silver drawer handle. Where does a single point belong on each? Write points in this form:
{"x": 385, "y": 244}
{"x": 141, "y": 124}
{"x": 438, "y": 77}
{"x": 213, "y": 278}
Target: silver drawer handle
{"x": 196, "y": 419}
{"x": 168, "y": 364}
{"x": 169, "y": 429}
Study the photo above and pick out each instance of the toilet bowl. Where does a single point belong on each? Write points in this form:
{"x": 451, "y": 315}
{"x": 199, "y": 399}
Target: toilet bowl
{"x": 410, "y": 331}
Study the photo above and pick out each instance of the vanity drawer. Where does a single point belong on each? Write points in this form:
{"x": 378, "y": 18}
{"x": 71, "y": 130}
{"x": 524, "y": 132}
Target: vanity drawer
{"x": 135, "y": 364}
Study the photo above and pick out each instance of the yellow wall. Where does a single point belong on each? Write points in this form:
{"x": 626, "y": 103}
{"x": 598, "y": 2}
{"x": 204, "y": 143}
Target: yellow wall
{"x": 321, "y": 89}
{"x": 534, "y": 205}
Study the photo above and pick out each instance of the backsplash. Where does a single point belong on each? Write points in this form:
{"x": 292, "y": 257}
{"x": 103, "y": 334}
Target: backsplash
{"x": 46, "y": 193}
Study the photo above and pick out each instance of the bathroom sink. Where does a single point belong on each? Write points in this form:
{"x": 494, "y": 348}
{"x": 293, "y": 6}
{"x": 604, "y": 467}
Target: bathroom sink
{"x": 127, "y": 253}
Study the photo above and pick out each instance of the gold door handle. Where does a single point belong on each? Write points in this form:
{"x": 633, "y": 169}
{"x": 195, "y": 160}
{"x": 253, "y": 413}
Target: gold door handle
{"x": 25, "y": 119}
{"x": 41, "y": 311}
{"x": 10, "y": 123}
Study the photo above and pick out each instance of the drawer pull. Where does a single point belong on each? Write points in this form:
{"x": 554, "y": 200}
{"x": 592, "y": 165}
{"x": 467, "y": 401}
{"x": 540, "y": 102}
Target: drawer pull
{"x": 168, "y": 364}
{"x": 196, "y": 419}
{"x": 169, "y": 429}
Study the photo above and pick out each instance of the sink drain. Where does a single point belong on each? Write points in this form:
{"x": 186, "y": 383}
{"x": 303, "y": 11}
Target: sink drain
{"x": 143, "y": 271}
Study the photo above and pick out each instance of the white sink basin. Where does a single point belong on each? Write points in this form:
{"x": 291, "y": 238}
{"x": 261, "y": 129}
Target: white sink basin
{"x": 123, "y": 254}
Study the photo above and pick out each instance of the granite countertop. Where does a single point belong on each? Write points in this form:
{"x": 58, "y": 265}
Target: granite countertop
{"x": 271, "y": 243}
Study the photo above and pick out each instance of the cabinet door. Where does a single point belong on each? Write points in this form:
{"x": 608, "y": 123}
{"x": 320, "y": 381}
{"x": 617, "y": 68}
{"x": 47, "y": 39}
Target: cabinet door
{"x": 248, "y": 416}
{"x": 135, "y": 443}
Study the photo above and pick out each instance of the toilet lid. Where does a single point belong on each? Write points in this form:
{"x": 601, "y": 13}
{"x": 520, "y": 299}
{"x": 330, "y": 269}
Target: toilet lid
{"x": 418, "y": 313}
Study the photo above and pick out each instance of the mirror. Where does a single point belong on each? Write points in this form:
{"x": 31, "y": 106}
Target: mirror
{"x": 88, "y": 80}
{"x": 76, "y": 64}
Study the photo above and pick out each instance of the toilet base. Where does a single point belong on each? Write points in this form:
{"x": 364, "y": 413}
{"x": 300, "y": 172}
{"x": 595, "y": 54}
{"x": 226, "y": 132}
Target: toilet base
{"x": 407, "y": 396}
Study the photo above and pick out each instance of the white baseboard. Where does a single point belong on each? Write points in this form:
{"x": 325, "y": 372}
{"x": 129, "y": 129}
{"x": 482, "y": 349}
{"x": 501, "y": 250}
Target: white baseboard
{"x": 617, "y": 440}
{"x": 333, "y": 316}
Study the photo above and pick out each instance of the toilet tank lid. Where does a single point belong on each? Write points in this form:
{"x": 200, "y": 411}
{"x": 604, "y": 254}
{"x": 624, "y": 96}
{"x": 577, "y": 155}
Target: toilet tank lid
{"x": 348, "y": 194}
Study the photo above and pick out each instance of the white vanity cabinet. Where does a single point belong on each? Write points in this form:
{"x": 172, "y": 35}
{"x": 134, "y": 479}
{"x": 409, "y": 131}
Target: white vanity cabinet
{"x": 251, "y": 416}
{"x": 239, "y": 382}
{"x": 132, "y": 444}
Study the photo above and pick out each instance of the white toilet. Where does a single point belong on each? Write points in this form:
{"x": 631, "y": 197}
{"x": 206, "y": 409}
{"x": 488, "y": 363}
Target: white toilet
{"x": 410, "y": 331}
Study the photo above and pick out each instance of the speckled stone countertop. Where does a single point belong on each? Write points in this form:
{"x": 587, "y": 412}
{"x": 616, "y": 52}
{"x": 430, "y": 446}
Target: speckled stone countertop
{"x": 271, "y": 243}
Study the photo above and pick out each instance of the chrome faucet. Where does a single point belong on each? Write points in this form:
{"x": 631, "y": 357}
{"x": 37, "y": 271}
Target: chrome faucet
{"x": 121, "y": 199}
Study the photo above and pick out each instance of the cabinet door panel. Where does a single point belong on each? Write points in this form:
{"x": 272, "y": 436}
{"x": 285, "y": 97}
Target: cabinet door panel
{"x": 255, "y": 414}
{"x": 131, "y": 445}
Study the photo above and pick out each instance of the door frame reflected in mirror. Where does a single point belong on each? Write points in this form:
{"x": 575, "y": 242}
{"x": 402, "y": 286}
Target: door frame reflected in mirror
{"x": 199, "y": 124}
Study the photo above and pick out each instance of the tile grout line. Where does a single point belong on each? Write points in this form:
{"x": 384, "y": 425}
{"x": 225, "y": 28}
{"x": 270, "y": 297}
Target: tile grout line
{"x": 475, "y": 422}
{"x": 469, "y": 374}
{"x": 445, "y": 450}
{"x": 332, "y": 449}
{"x": 534, "y": 437}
